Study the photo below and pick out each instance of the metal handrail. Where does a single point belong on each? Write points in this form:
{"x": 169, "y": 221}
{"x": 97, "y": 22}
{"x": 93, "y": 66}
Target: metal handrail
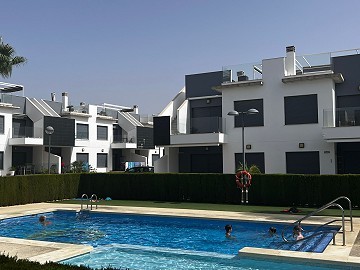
{"x": 91, "y": 201}
{"x": 332, "y": 203}
{"x": 87, "y": 201}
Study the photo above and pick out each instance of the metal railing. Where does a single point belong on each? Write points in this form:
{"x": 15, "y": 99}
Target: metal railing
{"x": 315, "y": 230}
{"x": 83, "y": 197}
{"x": 94, "y": 199}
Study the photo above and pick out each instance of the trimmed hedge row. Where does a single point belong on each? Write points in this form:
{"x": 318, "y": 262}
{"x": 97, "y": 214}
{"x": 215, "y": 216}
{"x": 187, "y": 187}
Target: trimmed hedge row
{"x": 266, "y": 189}
{"x": 38, "y": 188}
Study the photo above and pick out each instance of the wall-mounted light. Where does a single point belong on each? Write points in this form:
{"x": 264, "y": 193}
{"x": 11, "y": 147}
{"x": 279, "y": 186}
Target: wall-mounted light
{"x": 102, "y": 150}
{"x": 208, "y": 101}
{"x": 206, "y": 148}
{"x": 248, "y": 146}
{"x": 83, "y": 149}
{"x": 301, "y": 145}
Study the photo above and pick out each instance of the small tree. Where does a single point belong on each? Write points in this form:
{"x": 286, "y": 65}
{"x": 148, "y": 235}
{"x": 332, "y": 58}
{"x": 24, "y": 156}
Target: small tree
{"x": 252, "y": 169}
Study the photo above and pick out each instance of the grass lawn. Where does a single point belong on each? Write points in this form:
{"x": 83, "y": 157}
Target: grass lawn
{"x": 217, "y": 207}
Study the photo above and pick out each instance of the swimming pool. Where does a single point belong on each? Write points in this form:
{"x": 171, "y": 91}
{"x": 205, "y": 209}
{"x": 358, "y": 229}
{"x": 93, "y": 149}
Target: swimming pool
{"x": 189, "y": 241}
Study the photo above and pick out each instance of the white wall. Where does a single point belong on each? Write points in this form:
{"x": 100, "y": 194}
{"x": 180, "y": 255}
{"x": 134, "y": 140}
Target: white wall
{"x": 275, "y": 138}
{"x": 4, "y": 140}
{"x": 93, "y": 146}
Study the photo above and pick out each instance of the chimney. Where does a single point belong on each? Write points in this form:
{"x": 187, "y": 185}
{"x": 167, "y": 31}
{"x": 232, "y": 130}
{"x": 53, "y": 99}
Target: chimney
{"x": 65, "y": 101}
{"x": 136, "y": 109}
{"x": 290, "y": 67}
{"x": 53, "y": 98}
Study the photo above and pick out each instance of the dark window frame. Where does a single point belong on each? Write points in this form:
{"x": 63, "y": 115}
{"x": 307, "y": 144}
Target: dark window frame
{"x": 2, "y": 124}
{"x": 97, "y": 160}
{"x": 100, "y": 136}
{"x": 301, "y": 109}
{"x": 2, "y": 160}
{"x": 250, "y": 120}
{"x": 295, "y": 164}
{"x": 82, "y": 136}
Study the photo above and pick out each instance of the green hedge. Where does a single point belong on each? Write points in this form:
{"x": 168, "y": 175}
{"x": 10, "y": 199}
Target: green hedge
{"x": 11, "y": 263}
{"x": 266, "y": 189}
{"x": 38, "y": 188}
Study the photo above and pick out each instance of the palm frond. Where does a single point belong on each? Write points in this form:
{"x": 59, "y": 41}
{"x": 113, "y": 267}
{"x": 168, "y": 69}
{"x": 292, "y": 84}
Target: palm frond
{"x": 18, "y": 60}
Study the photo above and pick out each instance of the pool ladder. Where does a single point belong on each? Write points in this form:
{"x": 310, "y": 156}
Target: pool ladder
{"x": 334, "y": 232}
{"x": 90, "y": 201}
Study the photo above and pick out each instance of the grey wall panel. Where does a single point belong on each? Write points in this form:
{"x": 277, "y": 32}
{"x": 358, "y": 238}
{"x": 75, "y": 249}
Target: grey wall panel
{"x": 162, "y": 130}
{"x": 198, "y": 85}
{"x": 349, "y": 67}
{"x": 55, "y": 105}
{"x": 64, "y": 131}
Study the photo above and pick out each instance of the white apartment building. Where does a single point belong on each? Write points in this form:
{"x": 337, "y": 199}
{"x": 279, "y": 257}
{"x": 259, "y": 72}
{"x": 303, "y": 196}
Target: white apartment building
{"x": 308, "y": 118}
{"x": 104, "y": 137}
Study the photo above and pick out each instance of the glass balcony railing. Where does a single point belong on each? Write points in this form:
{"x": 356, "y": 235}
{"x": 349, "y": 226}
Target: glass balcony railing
{"x": 243, "y": 72}
{"x": 199, "y": 125}
{"x": 122, "y": 139}
{"x": 27, "y": 132}
{"x": 342, "y": 117}
{"x": 7, "y": 98}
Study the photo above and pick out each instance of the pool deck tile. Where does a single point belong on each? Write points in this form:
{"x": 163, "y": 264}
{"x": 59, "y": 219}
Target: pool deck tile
{"x": 42, "y": 251}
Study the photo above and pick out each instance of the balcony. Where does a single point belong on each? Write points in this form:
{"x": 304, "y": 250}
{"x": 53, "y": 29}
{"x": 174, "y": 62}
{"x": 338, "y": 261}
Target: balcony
{"x": 26, "y": 136}
{"x": 198, "y": 132}
{"x": 342, "y": 124}
{"x": 122, "y": 142}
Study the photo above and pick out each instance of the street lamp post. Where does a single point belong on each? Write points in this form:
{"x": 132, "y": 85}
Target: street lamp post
{"x": 49, "y": 130}
{"x": 236, "y": 113}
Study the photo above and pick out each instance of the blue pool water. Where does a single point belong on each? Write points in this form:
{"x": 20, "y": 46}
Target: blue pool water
{"x": 155, "y": 240}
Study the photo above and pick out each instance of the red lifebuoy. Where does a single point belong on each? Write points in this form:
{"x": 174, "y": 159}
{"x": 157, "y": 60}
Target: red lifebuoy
{"x": 243, "y": 179}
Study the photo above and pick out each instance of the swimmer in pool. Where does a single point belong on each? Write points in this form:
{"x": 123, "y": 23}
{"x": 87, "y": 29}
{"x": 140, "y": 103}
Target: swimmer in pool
{"x": 272, "y": 231}
{"x": 228, "y": 230}
{"x": 44, "y": 221}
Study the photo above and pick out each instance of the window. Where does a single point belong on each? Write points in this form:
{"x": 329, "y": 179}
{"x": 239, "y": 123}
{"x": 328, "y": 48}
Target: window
{"x": 82, "y": 131}
{"x": 102, "y": 132}
{"x": 2, "y": 124}
{"x": 303, "y": 162}
{"x": 1, "y": 160}
{"x": 250, "y": 120}
{"x": 301, "y": 109}
{"x": 81, "y": 157}
{"x": 257, "y": 159}
{"x": 101, "y": 160}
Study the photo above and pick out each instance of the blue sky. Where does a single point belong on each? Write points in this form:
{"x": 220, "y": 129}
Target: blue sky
{"x": 129, "y": 52}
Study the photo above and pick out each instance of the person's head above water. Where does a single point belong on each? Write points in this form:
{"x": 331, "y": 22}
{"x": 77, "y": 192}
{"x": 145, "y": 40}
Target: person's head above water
{"x": 228, "y": 228}
{"x": 42, "y": 219}
{"x": 272, "y": 230}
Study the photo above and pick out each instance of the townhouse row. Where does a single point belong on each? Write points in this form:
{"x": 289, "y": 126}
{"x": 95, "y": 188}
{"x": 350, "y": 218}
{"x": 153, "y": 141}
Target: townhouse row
{"x": 103, "y": 137}
{"x": 307, "y": 117}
